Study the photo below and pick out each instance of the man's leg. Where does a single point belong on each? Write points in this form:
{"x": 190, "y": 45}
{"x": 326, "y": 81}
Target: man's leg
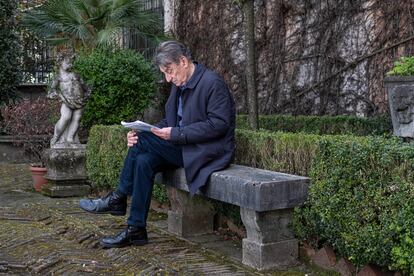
{"x": 154, "y": 154}
{"x": 115, "y": 203}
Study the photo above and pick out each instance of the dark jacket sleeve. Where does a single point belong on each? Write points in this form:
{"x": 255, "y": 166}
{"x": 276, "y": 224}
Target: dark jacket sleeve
{"x": 219, "y": 113}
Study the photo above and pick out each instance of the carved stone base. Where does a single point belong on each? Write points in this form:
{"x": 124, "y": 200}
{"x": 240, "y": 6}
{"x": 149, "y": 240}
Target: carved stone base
{"x": 189, "y": 216}
{"x": 270, "y": 241}
{"x": 265, "y": 256}
{"x": 66, "y": 172}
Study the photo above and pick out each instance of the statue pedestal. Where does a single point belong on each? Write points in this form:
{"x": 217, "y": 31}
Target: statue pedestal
{"x": 66, "y": 172}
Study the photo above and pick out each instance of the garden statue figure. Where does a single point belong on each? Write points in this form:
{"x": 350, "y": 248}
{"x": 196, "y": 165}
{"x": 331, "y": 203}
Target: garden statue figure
{"x": 73, "y": 94}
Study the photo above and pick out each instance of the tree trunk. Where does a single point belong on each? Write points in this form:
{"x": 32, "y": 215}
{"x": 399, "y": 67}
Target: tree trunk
{"x": 248, "y": 10}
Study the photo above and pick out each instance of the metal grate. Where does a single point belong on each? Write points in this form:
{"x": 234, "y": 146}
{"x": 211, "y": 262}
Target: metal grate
{"x": 132, "y": 40}
{"x": 37, "y": 60}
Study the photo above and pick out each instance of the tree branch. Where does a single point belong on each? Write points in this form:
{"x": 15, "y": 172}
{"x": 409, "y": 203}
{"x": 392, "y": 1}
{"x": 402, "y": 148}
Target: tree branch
{"x": 353, "y": 64}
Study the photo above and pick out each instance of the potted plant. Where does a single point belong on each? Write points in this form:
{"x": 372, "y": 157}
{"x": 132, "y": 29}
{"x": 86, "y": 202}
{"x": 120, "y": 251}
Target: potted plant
{"x": 31, "y": 123}
{"x": 400, "y": 87}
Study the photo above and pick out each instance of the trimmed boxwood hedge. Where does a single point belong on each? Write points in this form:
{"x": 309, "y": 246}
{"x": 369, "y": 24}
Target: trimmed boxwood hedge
{"x": 334, "y": 125}
{"x": 361, "y": 201}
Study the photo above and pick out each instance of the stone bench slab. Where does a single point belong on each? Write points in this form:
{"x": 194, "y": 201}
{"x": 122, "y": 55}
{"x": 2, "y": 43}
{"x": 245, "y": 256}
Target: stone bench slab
{"x": 251, "y": 188}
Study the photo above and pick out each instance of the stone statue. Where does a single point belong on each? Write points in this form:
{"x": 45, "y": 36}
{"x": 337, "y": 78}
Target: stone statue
{"x": 73, "y": 93}
{"x": 402, "y": 110}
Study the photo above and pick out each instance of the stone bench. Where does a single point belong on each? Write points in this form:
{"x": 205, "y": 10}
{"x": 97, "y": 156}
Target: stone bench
{"x": 266, "y": 201}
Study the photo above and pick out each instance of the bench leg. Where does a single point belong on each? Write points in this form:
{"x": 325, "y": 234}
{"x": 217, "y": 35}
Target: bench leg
{"x": 270, "y": 242}
{"x": 189, "y": 216}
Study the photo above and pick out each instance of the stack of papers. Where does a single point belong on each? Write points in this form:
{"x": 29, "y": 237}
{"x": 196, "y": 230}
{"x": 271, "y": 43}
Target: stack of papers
{"x": 138, "y": 125}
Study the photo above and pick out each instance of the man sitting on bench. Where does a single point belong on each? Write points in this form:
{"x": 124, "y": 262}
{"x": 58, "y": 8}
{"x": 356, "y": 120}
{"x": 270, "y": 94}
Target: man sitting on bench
{"x": 197, "y": 133}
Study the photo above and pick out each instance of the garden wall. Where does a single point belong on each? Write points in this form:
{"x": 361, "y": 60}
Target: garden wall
{"x": 313, "y": 57}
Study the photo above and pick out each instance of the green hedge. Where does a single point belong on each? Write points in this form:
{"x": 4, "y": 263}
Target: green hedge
{"x": 334, "y": 125}
{"x": 276, "y": 151}
{"x": 361, "y": 201}
{"x": 122, "y": 82}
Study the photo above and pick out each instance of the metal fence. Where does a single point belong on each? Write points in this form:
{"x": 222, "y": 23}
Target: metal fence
{"x": 133, "y": 40}
{"x": 37, "y": 60}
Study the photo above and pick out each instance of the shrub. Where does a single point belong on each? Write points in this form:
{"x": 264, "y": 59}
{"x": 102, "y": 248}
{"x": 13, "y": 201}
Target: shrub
{"x": 361, "y": 201}
{"x": 10, "y": 74}
{"x": 334, "y": 125}
{"x": 122, "y": 82}
{"x": 31, "y": 123}
{"x": 403, "y": 67}
{"x": 276, "y": 151}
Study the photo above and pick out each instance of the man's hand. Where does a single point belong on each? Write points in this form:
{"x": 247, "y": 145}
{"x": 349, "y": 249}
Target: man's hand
{"x": 163, "y": 133}
{"x": 132, "y": 138}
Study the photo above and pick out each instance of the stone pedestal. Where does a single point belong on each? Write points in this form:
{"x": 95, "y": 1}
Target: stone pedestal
{"x": 270, "y": 242}
{"x": 189, "y": 216}
{"x": 66, "y": 172}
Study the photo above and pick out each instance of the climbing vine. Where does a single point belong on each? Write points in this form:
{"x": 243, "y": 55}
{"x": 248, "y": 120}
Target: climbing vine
{"x": 313, "y": 57}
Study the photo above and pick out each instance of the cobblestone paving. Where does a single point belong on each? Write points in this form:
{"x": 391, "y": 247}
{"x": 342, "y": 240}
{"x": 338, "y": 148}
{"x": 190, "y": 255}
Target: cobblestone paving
{"x": 46, "y": 236}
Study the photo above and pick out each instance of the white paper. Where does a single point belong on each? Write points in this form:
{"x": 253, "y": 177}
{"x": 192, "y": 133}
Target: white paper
{"x": 138, "y": 125}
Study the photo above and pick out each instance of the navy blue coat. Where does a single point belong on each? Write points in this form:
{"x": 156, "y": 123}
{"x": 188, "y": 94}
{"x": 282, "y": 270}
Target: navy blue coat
{"x": 208, "y": 123}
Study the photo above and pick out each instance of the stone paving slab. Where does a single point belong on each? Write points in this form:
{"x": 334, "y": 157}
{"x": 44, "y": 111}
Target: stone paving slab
{"x": 52, "y": 236}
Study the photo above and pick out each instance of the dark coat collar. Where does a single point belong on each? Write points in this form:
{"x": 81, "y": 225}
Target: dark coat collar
{"x": 195, "y": 78}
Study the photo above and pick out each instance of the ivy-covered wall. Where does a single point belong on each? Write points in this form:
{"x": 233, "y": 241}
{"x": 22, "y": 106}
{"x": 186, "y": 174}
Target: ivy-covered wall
{"x": 313, "y": 57}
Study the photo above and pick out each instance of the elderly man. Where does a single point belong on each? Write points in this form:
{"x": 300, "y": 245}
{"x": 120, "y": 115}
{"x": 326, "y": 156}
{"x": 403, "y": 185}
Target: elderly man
{"x": 197, "y": 134}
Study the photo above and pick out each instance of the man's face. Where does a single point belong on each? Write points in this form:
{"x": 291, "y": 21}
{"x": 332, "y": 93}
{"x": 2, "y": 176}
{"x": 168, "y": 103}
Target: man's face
{"x": 177, "y": 73}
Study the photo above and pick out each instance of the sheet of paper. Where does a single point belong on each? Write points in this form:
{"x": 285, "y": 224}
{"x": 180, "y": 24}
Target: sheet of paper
{"x": 138, "y": 125}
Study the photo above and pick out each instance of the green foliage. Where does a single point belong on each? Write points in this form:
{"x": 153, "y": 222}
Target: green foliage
{"x": 276, "y": 151}
{"x": 106, "y": 150}
{"x": 88, "y": 24}
{"x": 122, "y": 82}
{"x": 403, "y": 67}
{"x": 335, "y": 125}
{"x": 10, "y": 74}
{"x": 361, "y": 201}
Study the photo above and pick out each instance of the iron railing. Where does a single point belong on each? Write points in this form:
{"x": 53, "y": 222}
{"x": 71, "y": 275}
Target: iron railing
{"x": 133, "y": 40}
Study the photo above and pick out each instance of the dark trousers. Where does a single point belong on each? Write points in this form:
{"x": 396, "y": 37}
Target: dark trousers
{"x": 147, "y": 157}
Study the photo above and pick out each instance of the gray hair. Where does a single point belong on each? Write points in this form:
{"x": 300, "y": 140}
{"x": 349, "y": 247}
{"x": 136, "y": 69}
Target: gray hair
{"x": 170, "y": 52}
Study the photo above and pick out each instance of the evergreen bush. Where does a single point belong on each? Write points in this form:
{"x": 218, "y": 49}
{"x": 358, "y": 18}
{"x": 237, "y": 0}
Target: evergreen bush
{"x": 10, "y": 75}
{"x": 361, "y": 201}
{"x": 122, "y": 82}
{"x": 333, "y": 125}
{"x": 403, "y": 67}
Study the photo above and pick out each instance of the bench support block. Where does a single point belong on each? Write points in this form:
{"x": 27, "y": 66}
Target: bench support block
{"x": 270, "y": 242}
{"x": 189, "y": 216}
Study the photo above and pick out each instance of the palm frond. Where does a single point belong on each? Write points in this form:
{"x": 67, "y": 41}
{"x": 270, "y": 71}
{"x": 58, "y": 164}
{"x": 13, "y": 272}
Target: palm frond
{"x": 91, "y": 22}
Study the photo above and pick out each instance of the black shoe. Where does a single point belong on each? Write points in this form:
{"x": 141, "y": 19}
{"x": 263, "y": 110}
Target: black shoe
{"x": 132, "y": 235}
{"x": 113, "y": 203}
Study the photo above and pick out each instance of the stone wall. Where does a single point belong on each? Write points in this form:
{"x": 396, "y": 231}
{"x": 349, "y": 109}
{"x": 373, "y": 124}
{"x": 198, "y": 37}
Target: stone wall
{"x": 313, "y": 56}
